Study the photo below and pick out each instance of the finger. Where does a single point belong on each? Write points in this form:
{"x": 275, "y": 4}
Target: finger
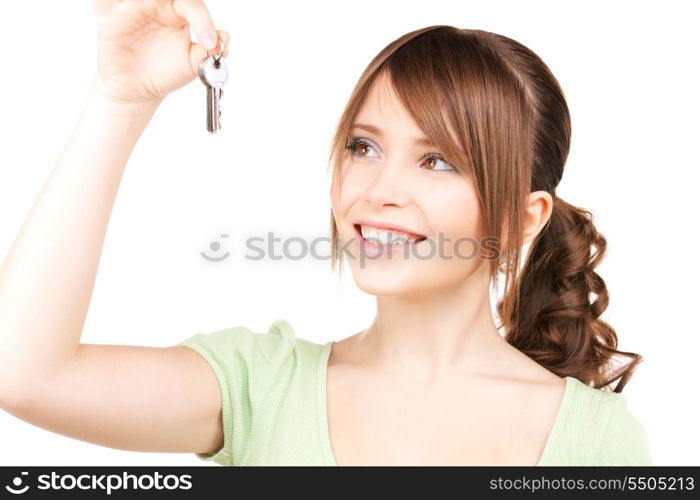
{"x": 225, "y": 39}
{"x": 197, "y": 15}
{"x": 198, "y": 52}
{"x": 222, "y": 37}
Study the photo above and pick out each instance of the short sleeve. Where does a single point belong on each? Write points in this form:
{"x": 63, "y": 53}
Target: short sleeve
{"x": 239, "y": 358}
{"x": 625, "y": 441}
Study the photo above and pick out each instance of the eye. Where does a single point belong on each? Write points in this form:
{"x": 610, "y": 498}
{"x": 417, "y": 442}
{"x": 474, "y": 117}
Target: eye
{"x": 435, "y": 159}
{"x": 360, "y": 147}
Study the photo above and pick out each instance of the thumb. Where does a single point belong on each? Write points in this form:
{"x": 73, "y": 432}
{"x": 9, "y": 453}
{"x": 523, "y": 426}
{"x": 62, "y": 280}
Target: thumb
{"x": 198, "y": 52}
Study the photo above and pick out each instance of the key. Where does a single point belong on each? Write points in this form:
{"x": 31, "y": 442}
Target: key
{"x": 214, "y": 74}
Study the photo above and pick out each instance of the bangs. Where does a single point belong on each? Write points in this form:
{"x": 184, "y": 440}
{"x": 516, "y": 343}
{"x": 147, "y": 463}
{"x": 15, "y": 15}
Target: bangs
{"x": 429, "y": 97}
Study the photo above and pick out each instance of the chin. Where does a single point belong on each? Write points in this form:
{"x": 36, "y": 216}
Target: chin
{"x": 385, "y": 290}
{"x": 388, "y": 284}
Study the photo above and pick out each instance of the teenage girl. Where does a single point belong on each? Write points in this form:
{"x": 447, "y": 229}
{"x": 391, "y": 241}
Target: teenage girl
{"x": 445, "y": 164}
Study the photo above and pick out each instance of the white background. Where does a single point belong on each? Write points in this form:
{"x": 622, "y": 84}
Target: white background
{"x": 628, "y": 70}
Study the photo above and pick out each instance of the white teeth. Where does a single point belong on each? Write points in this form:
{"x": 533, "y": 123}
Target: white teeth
{"x": 383, "y": 237}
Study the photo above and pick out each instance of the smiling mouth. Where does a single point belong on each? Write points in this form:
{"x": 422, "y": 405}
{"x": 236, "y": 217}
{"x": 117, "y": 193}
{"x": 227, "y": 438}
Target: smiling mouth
{"x": 388, "y": 238}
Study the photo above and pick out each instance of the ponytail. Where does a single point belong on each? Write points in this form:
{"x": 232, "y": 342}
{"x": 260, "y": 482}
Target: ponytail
{"x": 552, "y": 318}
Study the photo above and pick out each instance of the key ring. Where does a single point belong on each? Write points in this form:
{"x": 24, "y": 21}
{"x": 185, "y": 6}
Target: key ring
{"x": 221, "y": 54}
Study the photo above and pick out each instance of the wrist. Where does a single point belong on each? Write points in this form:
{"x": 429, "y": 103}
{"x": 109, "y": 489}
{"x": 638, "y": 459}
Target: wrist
{"x": 120, "y": 106}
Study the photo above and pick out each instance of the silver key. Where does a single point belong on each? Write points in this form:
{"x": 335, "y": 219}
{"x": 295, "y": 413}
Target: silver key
{"x": 213, "y": 73}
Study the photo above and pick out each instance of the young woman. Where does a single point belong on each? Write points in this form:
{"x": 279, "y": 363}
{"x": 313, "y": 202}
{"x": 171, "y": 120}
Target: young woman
{"x": 445, "y": 164}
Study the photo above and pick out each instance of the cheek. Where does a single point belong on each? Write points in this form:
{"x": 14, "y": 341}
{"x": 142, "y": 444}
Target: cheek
{"x": 456, "y": 214}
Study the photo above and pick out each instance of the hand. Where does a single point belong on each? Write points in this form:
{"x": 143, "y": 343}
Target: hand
{"x": 144, "y": 50}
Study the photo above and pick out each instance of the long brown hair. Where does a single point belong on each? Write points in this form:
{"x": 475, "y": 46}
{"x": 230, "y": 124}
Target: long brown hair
{"x": 513, "y": 132}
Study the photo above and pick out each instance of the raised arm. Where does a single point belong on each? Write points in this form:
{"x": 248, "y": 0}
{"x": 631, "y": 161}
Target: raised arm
{"x": 128, "y": 397}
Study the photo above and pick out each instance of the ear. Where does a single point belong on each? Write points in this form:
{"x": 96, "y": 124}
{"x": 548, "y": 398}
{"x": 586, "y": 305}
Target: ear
{"x": 538, "y": 210}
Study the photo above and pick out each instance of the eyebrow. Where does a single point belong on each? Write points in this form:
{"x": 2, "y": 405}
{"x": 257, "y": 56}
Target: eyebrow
{"x": 421, "y": 141}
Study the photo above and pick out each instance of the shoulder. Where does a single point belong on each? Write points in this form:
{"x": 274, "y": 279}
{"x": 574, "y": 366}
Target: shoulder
{"x": 625, "y": 441}
{"x": 275, "y": 346}
{"x": 265, "y": 378}
{"x": 254, "y": 362}
{"x": 607, "y": 432}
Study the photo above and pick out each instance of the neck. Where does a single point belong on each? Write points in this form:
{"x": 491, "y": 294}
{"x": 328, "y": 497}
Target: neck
{"x": 429, "y": 335}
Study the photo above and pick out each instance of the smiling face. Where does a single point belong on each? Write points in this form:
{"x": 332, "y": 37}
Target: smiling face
{"x": 390, "y": 175}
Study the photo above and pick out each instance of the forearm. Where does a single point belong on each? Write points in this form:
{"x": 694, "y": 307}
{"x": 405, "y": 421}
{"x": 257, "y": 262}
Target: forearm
{"x": 47, "y": 278}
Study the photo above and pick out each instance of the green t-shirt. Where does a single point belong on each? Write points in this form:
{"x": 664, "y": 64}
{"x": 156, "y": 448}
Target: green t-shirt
{"x": 274, "y": 406}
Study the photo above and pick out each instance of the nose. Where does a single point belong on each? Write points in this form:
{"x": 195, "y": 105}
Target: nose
{"x": 386, "y": 187}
